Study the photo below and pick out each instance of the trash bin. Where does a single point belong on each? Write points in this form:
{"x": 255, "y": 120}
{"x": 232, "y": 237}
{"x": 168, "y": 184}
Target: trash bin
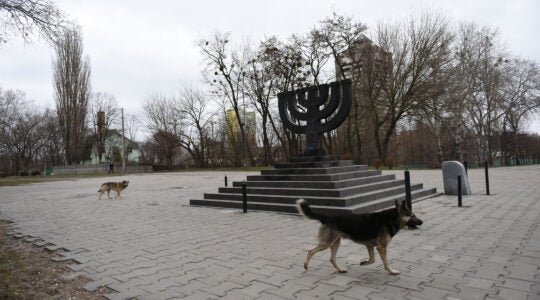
{"x": 48, "y": 170}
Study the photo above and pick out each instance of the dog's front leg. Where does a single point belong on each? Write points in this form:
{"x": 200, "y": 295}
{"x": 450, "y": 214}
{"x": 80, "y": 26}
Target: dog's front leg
{"x": 371, "y": 253}
{"x": 333, "y": 253}
{"x": 382, "y": 251}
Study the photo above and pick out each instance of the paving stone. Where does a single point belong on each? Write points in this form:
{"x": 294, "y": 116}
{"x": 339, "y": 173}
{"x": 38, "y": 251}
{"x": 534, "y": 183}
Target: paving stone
{"x": 128, "y": 293}
{"x": 288, "y": 291}
{"x": 340, "y": 280}
{"x": 275, "y": 280}
{"x": 94, "y": 285}
{"x": 480, "y": 283}
{"x": 489, "y": 270}
{"x": 222, "y": 289}
{"x": 197, "y": 295}
{"x": 193, "y": 286}
{"x": 169, "y": 294}
{"x": 523, "y": 271}
{"x": 467, "y": 292}
{"x": 254, "y": 288}
{"x": 446, "y": 281}
{"x": 516, "y": 284}
{"x": 504, "y": 293}
{"x": 124, "y": 286}
{"x": 321, "y": 291}
{"x": 389, "y": 292}
{"x": 234, "y": 295}
{"x": 430, "y": 293}
{"x": 461, "y": 265}
{"x": 408, "y": 283}
{"x": 162, "y": 285}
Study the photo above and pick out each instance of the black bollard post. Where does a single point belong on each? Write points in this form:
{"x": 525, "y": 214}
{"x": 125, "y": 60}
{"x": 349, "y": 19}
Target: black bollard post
{"x": 225, "y": 180}
{"x": 459, "y": 191}
{"x": 408, "y": 198}
{"x": 487, "y": 177}
{"x": 244, "y": 198}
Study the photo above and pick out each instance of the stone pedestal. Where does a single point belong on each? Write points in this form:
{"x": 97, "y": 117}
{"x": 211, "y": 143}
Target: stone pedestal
{"x": 331, "y": 185}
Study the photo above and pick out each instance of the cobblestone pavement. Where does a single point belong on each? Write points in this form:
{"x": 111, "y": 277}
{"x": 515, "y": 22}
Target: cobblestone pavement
{"x": 151, "y": 244}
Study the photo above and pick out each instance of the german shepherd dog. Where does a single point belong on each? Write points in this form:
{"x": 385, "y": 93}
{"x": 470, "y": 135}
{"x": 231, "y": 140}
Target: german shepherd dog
{"x": 115, "y": 186}
{"x": 371, "y": 230}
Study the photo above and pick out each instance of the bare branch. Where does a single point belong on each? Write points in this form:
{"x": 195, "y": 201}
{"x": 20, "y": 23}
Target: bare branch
{"x": 28, "y": 17}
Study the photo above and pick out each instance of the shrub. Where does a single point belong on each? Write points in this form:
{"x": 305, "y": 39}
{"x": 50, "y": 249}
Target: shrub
{"x": 347, "y": 156}
{"x": 35, "y": 173}
{"x": 23, "y": 173}
{"x": 390, "y": 162}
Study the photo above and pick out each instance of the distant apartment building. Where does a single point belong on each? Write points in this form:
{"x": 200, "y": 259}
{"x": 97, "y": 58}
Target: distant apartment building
{"x": 369, "y": 68}
{"x": 361, "y": 59}
{"x": 247, "y": 117}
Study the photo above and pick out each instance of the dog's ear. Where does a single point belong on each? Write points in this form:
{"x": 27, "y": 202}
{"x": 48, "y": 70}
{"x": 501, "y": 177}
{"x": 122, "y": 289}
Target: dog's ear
{"x": 401, "y": 206}
{"x": 404, "y": 204}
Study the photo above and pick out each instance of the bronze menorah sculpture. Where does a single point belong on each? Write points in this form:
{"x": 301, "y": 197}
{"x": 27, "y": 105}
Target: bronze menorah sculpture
{"x": 317, "y": 120}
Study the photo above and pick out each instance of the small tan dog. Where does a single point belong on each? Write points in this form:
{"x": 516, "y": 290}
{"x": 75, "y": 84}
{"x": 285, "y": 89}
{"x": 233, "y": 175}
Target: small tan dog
{"x": 115, "y": 186}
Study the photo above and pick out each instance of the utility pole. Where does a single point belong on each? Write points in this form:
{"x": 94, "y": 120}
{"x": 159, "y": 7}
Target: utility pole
{"x": 123, "y": 145}
{"x": 244, "y": 121}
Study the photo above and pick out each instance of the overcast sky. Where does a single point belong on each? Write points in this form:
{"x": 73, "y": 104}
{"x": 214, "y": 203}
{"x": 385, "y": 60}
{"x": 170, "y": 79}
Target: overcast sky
{"x": 137, "y": 47}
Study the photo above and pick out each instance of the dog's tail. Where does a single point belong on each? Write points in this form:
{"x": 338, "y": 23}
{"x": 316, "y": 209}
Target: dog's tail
{"x": 305, "y": 210}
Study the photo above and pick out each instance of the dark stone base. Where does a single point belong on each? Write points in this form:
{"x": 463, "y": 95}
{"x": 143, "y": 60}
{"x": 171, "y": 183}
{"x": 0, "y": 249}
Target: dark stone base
{"x": 331, "y": 185}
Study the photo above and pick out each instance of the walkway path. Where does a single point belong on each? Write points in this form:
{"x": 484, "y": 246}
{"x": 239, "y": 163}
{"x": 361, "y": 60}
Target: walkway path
{"x": 152, "y": 245}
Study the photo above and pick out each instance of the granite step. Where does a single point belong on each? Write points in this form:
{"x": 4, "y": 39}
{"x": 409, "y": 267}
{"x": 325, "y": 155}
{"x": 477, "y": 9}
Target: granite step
{"x": 335, "y": 184}
{"x": 329, "y": 170}
{"x": 303, "y": 191}
{"x": 315, "y": 177}
{"x": 290, "y": 207}
{"x": 318, "y": 199}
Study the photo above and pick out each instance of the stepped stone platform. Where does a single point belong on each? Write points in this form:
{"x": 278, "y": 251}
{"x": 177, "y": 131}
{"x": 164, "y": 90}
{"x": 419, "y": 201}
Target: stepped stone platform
{"x": 331, "y": 185}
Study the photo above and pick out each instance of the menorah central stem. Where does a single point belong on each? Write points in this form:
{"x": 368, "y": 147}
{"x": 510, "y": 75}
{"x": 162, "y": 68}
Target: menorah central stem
{"x": 319, "y": 112}
{"x": 313, "y": 146}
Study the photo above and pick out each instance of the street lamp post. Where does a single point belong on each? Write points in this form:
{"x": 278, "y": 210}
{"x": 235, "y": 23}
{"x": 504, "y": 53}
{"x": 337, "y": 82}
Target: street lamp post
{"x": 123, "y": 145}
{"x": 244, "y": 121}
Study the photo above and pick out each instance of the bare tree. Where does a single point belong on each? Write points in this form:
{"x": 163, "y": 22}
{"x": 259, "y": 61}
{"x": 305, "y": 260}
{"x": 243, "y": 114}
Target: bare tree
{"x": 52, "y": 154}
{"x": 277, "y": 67}
{"x": 339, "y": 37}
{"x": 72, "y": 93}
{"x": 164, "y": 122}
{"x": 521, "y": 98}
{"x": 261, "y": 85}
{"x": 132, "y": 125}
{"x": 420, "y": 50}
{"x": 25, "y": 18}
{"x": 197, "y": 117}
{"x": 481, "y": 62}
{"x": 103, "y": 114}
{"x": 21, "y": 138}
{"x": 225, "y": 72}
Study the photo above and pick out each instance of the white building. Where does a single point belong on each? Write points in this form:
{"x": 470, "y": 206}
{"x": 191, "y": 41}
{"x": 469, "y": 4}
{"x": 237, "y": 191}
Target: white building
{"x": 112, "y": 151}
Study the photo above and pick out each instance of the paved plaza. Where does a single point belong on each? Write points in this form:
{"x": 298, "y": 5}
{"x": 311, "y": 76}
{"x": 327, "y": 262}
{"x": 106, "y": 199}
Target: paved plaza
{"x": 151, "y": 244}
